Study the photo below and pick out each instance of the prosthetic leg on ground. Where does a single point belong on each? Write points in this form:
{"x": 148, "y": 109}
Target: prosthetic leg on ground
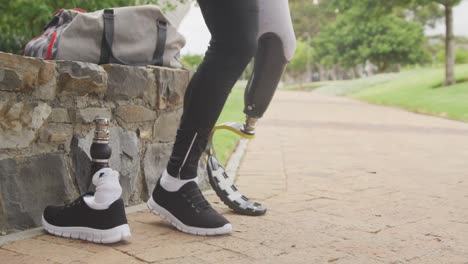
{"x": 276, "y": 45}
{"x": 100, "y": 150}
{"x": 99, "y": 216}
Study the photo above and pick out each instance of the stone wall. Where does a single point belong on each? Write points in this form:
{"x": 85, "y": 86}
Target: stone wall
{"x": 46, "y": 128}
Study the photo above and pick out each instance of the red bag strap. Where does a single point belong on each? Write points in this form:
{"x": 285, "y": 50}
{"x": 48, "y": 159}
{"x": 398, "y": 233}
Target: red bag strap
{"x": 76, "y": 9}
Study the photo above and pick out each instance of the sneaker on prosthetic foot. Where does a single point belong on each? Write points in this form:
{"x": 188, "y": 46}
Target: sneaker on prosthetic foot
{"x": 188, "y": 210}
{"x": 96, "y": 217}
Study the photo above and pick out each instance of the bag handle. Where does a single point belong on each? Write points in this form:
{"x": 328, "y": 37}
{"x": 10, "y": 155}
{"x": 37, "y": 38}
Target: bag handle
{"x": 107, "y": 56}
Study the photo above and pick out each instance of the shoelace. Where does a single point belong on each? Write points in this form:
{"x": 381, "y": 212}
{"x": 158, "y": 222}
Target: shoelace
{"x": 76, "y": 201}
{"x": 69, "y": 204}
{"x": 196, "y": 198}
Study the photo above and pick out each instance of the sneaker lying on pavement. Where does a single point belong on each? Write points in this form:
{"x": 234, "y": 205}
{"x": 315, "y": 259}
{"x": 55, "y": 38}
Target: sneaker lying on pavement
{"x": 77, "y": 220}
{"x": 188, "y": 211}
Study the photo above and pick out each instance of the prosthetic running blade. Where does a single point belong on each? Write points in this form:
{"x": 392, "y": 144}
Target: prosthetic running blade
{"x": 223, "y": 184}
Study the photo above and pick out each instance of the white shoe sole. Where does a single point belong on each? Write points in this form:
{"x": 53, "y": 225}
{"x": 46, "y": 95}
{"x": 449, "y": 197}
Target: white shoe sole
{"x": 108, "y": 236}
{"x": 171, "y": 219}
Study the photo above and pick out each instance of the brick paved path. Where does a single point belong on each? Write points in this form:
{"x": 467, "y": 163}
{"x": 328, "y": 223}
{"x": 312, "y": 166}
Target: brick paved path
{"x": 345, "y": 182}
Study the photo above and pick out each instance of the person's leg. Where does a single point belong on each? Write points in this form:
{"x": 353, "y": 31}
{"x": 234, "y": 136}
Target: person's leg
{"x": 234, "y": 28}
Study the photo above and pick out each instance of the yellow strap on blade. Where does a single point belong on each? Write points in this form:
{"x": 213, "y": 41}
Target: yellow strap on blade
{"x": 233, "y": 127}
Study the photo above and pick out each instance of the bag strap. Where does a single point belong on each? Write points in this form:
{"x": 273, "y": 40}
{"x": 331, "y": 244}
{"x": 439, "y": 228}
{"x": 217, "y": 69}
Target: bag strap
{"x": 107, "y": 36}
{"x": 161, "y": 43}
{"x": 107, "y": 56}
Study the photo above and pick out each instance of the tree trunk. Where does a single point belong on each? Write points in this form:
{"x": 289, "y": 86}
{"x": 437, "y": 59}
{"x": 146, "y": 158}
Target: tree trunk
{"x": 309, "y": 61}
{"x": 449, "y": 47}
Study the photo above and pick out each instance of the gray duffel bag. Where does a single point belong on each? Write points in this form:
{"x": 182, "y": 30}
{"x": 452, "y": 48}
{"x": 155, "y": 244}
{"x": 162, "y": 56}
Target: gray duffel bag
{"x": 136, "y": 35}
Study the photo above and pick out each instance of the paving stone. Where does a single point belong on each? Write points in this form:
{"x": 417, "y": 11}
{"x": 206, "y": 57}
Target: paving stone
{"x": 172, "y": 251}
{"x": 43, "y": 250}
{"x": 11, "y": 257}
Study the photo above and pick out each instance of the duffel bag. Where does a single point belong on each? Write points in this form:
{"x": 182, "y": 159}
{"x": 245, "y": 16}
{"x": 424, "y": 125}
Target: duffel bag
{"x": 136, "y": 35}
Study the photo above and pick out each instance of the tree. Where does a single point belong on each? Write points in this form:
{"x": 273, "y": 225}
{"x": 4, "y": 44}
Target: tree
{"x": 299, "y": 62}
{"x": 309, "y": 17}
{"x": 379, "y": 7}
{"x": 192, "y": 61}
{"x": 385, "y": 40}
{"x": 449, "y": 41}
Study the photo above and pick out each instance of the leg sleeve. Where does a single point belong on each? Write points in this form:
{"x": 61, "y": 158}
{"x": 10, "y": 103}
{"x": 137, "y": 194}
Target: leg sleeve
{"x": 233, "y": 25}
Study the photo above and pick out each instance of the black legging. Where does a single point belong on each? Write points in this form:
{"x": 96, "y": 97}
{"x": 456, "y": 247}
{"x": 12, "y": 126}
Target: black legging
{"x": 233, "y": 25}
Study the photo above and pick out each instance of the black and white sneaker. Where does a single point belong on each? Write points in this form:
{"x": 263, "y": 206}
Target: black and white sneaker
{"x": 188, "y": 210}
{"x": 78, "y": 221}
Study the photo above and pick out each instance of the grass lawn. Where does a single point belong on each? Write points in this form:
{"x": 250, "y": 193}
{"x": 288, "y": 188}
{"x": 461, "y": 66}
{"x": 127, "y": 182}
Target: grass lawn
{"x": 306, "y": 86}
{"x": 415, "y": 90}
{"x": 225, "y": 142}
{"x": 421, "y": 92}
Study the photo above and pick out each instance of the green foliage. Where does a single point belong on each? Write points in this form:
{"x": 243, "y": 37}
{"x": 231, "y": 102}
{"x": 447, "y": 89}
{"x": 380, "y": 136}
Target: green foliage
{"x": 447, "y": 3}
{"x": 225, "y": 142}
{"x": 192, "y": 61}
{"x": 309, "y": 18}
{"x": 376, "y": 7}
{"x": 425, "y": 12}
{"x": 461, "y": 56}
{"x": 428, "y": 14}
{"x": 298, "y": 63}
{"x": 385, "y": 40}
{"x": 21, "y": 20}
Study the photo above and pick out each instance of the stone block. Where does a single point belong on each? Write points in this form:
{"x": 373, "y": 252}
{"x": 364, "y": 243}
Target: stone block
{"x": 29, "y": 184}
{"x": 24, "y": 74}
{"x": 146, "y": 134}
{"x": 125, "y": 159}
{"x": 59, "y": 115}
{"x": 171, "y": 84}
{"x": 155, "y": 162}
{"x": 15, "y": 111}
{"x": 58, "y": 133}
{"x": 87, "y": 101}
{"x": 81, "y": 78}
{"x": 81, "y": 162}
{"x": 166, "y": 125}
{"x": 88, "y": 115}
{"x": 58, "y": 137}
{"x": 40, "y": 113}
{"x": 20, "y": 123}
{"x": 46, "y": 91}
{"x": 134, "y": 114}
{"x": 126, "y": 82}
